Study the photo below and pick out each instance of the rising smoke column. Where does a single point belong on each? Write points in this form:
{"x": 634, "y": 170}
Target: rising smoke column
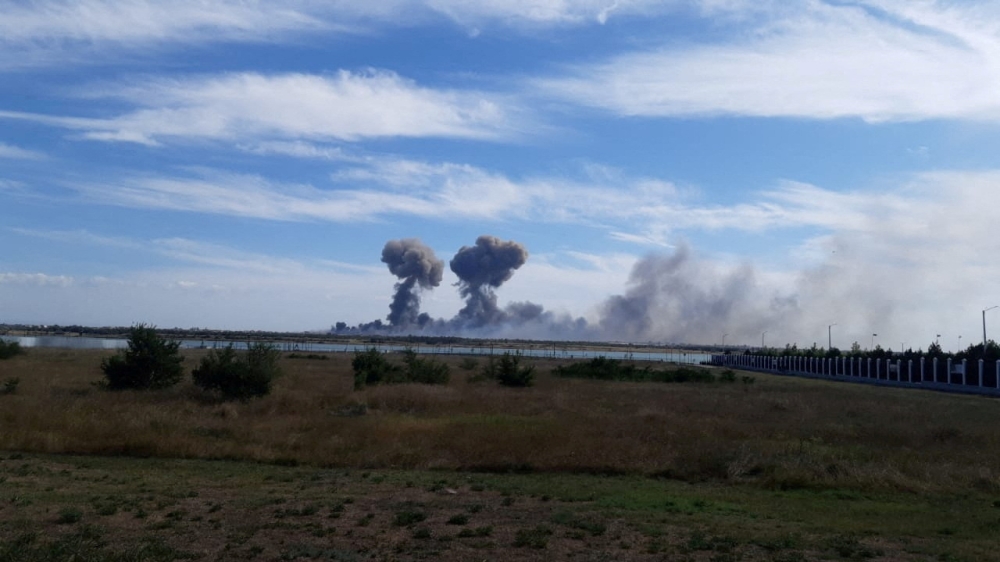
{"x": 415, "y": 264}
{"x": 481, "y": 269}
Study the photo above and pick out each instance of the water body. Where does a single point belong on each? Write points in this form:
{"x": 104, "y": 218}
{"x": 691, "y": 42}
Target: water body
{"x": 557, "y": 352}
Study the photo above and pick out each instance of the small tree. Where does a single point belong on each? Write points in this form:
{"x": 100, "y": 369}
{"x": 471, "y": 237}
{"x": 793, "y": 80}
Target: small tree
{"x": 371, "y": 367}
{"x": 425, "y": 371}
{"x": 239, "y": 376}
{"x": 149, "y": 362}
{"x": 10, "y": 349}
{"x": 509, "y": 372}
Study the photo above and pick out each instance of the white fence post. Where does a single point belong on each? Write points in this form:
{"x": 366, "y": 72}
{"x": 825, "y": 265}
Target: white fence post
{"x": 948, "y": 372}
{"x": 909, "y": 370}
{"x": 869, "y": 367}
{"x": 878, "y": 369}
{"x": 965, "y": 372}
{"x": 935, "y": 369}
{"x": 981, "y": 366}
{"x": 922, "y": 379}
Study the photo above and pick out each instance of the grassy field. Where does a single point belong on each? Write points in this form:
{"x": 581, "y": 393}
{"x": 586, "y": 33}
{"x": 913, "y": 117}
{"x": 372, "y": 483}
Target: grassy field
{"x": 780, "y": 469}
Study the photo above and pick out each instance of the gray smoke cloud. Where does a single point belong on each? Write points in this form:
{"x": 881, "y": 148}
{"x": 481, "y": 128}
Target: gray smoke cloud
{"x": 418, "y": 268}
{"x": 481, "y": 269}
{"x": 681, "y": 299}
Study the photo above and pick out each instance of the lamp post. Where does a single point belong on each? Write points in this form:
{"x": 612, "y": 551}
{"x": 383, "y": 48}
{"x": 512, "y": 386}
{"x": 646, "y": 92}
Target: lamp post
{"x": 959, "y": 343}
{"x": 762, "y": 339}
{"x": 985, "y": 310}
{"x": 724, "y": 341}
{"x": 873, "y": 341}
{"x": 829, "y": 336}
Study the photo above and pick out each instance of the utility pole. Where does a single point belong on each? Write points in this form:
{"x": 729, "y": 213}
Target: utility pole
{"x": 762, "y": 339}
{"x": 829, "y": 336}
{"x": 985, "y": 310}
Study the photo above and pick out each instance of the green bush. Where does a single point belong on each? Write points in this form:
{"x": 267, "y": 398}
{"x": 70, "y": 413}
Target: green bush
{"x": 10, "y": 349}
{"x": 371, "y": 367}
{"x": 425, "y": 371}
{"x": 239, "y": 376}
{"x": 150, "y": 362}
{"x": 468, "y": 364}
{"x": 509, "y": 372}
{"x": 10, "y": 385}
{"x": 603, "y": 368}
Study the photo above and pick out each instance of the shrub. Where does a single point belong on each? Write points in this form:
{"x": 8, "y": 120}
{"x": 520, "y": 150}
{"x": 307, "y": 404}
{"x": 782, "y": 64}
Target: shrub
{"x": 602, "y": 368}
{"x": 468, "y": 364}
{"x": 239, "y": 376}
{"x": 149, "y": 362}
{"x": 426, "y": 371}
{"x": 509, "y": 372}
{"x": 371, "y": 367}
{"x": 10, "y": 349}
{"x": 10, "y": 385}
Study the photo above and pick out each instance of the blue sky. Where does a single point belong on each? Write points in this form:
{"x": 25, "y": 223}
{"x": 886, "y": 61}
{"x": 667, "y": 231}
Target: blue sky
{"x": 735, "y": 167}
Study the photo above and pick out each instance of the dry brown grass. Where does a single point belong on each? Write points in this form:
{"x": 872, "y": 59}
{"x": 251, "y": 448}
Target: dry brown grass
{"x": 778, "y": 432}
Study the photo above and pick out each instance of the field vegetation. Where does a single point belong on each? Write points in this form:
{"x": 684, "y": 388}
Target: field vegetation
{"x": 703, "y": 469}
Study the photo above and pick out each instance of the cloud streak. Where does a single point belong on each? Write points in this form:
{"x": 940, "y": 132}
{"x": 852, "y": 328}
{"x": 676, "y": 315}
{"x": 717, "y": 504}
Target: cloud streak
{"x": 345, "y": 106}
{"x": 17, "y": 153}
{"x": 878, "y": 61}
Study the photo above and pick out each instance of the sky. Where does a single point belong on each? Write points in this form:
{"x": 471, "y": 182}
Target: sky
{"x": 685, "y": 171}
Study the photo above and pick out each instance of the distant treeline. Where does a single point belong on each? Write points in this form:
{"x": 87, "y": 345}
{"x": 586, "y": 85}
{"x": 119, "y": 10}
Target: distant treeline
{"x": 971, "y": 353}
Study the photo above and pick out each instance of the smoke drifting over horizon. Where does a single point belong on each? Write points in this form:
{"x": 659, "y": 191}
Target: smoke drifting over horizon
{"x": 481, "y": 269}
{"x": 674, "y": 297}
{"x": 671, "y": 297}
{"x": 418, "y": 268}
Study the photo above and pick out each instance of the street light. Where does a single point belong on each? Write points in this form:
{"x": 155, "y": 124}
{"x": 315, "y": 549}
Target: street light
{"x": 762, "y": 339}
{"x": 829, "y": 337}
{"x": 724, "y": 341}
{"x": 985, "y": 310}
{"x": 959, "y": 343}
{"x": 873, "y": 341}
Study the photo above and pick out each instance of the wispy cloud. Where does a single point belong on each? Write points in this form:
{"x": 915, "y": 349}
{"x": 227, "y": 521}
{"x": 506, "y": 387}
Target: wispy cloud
{"x": 889, "y": 60}
{"x": 255, "y": 107}
{"x": 88, "y": 31}
{"x": 93, "y": 31}
{"x": 646, "y": 211}
{"x": 14, "y": 152}
{"x": 195, "y": 252}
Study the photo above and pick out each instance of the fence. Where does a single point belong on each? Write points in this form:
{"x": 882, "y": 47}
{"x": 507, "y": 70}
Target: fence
{"x": 977, "y": 377}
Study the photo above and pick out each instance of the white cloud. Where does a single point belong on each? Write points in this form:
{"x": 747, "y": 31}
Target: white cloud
{"x": 94, "y": 31}
{"x": 14, "y": 152}
{"x": 196, "y": 252}
{"x": 88, "y": 31}
{"x": 35, "y": 279}
{"x": 879, "y": 61}
{"x": 345, "y": 106}
{"x": 642, "y": 210}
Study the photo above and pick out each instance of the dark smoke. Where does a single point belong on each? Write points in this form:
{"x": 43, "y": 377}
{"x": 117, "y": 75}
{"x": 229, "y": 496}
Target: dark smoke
{"x": 481, "y": 269}
{"x": 417, "y": 266}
